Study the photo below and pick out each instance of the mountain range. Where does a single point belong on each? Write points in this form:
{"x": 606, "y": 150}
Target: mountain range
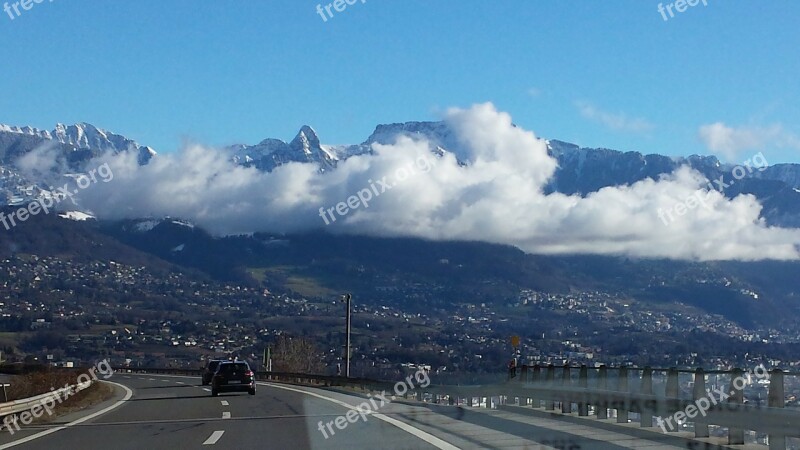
{"x": 580, "y": 170}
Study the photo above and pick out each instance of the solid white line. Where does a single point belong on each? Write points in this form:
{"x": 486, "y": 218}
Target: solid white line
{"x": 224, "y": 402}
{"x": 226, "y": 415}
{"x": 427, "y": 437}
{"x": 215, "y": 436}
{"x": 128, "y": 395}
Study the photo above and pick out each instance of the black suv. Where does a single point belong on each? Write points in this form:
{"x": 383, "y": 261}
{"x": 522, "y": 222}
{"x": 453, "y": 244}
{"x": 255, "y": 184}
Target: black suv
{"x": 208, "y": 371}
{"x": 233, "y": 376}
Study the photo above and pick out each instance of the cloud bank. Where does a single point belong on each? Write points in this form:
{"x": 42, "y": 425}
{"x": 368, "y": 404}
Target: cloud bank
{"x": 497, "y": 198}
{"x": 731, "y": 141}
{"x": 614, "y": 121}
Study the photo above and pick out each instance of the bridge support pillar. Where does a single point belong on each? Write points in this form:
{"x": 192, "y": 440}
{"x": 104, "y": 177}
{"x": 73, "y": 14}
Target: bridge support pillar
{"x": 602, "y": 384}
{"x": 536, "y": 381}
{"x": 735, "y": 435}
{"x": 566, "y": 403}
{"x": 549, "y": 404}
{"x": 646, "y": 414}
{"x": 777, "y": 399}
{"x": 699, "y": 391}
{"x": 583, "y": 382}
{"x": 622, "y": 386}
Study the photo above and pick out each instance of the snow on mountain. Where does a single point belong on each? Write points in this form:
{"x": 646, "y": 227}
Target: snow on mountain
{"x": 580, "y": 170}
{"x": 16, "y": 141}
{"x": 76, "y": 216}
{"x": 271, "y": 153}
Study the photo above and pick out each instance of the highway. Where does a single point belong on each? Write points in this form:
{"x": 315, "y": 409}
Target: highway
{"x": 176, "y": 413}
{"x": 172, "y": 412}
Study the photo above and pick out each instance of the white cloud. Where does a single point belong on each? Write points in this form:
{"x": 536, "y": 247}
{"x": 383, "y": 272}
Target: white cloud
{"x": 614, "y": 121}
{"x": 498, "y": 198}
{"x": 731, "y": 141}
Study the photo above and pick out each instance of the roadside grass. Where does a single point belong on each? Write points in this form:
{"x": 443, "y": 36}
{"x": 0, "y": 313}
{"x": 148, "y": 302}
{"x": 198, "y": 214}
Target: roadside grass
{"x": 41, "y": 382}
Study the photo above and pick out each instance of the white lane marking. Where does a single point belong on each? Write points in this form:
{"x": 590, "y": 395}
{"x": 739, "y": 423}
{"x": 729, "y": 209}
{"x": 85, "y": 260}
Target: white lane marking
{"x": 165, "y": 381}
{"x": 224, "y": 402}
{"x": 125, "y": 376}
{"x": 128, "y": 395}
{"x": 207, "y": 389}
{"x": 151, "y": 379}
{"x": 427, "y": 437}
{"x": 180, "y": 382}
{"x": 226, "y": 415}
{"x": 215, "y": 436}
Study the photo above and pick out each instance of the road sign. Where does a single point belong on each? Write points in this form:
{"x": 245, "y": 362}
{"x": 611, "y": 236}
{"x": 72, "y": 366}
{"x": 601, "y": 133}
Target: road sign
{"x": 515, "y": 341}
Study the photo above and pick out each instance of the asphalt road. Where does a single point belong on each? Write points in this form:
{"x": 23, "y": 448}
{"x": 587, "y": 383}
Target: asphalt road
{"x": 166, "y": 412}
{"x": 177, "y": 413}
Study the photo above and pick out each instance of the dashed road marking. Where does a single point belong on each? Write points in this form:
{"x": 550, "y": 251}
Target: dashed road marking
{"x": 207, "y": 389}
{"x": 224, "y": 402}
{"x": 226, "y": 415}
{"x": 215, "y": 436}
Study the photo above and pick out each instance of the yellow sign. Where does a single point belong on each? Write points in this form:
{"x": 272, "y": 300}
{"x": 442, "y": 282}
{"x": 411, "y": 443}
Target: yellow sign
{"x": 515, "y": 341}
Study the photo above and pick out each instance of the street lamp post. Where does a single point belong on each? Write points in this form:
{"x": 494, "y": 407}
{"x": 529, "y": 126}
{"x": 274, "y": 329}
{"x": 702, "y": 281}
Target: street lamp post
{"x": 347, "y": 299}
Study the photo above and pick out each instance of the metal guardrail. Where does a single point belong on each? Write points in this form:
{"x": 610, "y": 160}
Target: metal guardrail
{"x": 26, "y": 404}
{"x": 555, "y": 389}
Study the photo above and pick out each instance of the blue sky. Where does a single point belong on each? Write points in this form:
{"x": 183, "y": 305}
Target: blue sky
{"x": 600, "y": 74}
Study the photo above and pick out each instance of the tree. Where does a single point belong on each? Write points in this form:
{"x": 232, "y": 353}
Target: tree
{"x": 296, "y": 355}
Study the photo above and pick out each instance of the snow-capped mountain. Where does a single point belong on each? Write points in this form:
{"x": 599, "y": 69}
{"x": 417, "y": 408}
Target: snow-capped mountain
{"x": 580, "y": 170}
{"x": 271, "y": 153}
{"x": 73, "y": 146}
{"x": 78, "y": 143}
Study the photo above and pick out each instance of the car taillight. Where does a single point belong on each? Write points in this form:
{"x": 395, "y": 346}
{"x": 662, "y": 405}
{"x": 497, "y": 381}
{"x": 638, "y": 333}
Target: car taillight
{"x": 249, "y": 373}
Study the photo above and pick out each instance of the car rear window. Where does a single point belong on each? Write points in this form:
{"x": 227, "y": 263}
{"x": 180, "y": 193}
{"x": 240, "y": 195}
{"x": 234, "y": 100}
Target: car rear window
{"x": 234, "y": 368}
{"x": 213, "y": 365}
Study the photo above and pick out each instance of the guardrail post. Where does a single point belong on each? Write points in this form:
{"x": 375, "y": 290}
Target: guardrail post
{"x": 549, "y": 404}
{"x": 523, "y": 380}
{"x": 699, "y": 391}
{"x": 672, "y": 394}
{"x": 566, "y": 404}
{"x": 583, "y": 382}
{"x": 735, "y": 435}
{"x": 776, "y": 399}
{"x": 536, "y": 379}
{"x": 602, "y": 384}
{"x": 622, "y": 386}
{"x": 646, "y": 415}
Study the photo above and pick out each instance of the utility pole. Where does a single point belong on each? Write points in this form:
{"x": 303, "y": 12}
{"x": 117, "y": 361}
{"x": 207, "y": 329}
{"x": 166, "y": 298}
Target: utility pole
{"x": 347, "y": 299}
